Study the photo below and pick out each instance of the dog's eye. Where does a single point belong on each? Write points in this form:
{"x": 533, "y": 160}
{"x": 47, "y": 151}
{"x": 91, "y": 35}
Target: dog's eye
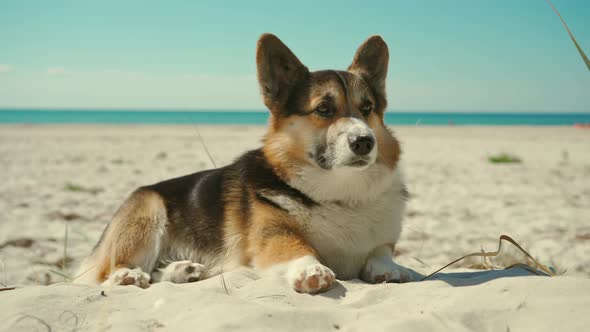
{"x": 366, "y": 109}
{"x": 324, "y": 110}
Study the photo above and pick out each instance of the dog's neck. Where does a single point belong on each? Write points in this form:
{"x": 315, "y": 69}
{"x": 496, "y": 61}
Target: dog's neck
{"x": 349, "y": 187}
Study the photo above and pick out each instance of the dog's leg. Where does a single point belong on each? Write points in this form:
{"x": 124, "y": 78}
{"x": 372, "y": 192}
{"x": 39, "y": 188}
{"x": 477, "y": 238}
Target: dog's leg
{"x": 279, "y": 247}
{"x": 380, "y": 267}
{"x": 291, "y": 256}
{"x": 131, "y": 245}
{"x": 179, "y": 272}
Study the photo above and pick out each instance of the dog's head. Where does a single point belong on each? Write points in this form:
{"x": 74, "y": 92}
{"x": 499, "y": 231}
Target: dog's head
{"x": 328, "y": 120}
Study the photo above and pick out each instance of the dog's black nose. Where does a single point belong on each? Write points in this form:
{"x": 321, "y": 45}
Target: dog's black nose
{"x": 361, "y": 145}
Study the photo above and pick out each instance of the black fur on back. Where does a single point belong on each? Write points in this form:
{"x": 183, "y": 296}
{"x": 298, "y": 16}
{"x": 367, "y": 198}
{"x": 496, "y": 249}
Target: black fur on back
{"x": 195, "y": 203}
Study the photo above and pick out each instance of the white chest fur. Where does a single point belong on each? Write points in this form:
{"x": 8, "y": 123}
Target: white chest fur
{"x": 344, "y": 236}
{"x": 348, "y": 224}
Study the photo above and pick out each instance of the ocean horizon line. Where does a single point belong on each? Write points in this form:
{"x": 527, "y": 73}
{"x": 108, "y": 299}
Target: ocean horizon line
{"x": 246, "y": 110}
{"x": 245, "y": 117}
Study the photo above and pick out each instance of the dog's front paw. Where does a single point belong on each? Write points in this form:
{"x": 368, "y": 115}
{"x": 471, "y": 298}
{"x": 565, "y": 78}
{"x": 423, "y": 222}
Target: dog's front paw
{"x": 384, "y": 269}
{"x": 182, "y": 272}
{"x": 307, "y": 275}
{"x": 125, "y": 276}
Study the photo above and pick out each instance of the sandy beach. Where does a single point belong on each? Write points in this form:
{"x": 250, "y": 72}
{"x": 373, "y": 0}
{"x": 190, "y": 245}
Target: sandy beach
{"x": 59, "y": 179}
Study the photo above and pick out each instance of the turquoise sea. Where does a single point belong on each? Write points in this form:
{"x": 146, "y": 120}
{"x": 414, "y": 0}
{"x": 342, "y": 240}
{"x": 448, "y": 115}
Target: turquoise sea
{"x": 261, "y": 117}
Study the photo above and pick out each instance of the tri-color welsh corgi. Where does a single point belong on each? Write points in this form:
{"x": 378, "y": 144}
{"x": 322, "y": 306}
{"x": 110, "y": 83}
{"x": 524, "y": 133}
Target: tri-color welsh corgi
{"x": 322, "y": 199}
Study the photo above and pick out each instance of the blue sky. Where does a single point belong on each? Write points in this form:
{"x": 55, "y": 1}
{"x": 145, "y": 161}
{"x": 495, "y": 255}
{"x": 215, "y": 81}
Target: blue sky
{"x": 472, "y": 55}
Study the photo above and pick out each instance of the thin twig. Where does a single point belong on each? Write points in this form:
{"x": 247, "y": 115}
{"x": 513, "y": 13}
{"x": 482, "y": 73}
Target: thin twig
{"x": 493, "y": 254}
{"x": 582, "y": 54}
{"x": 61, "y": 274}
{"x": 205, "y": 147}
{"x": 3, "y": 272}
{"x": 83, "y": 273}
{"x": 44, "y": 323}
{"x": 63, "y": 265}
{"x": 223, "y": 261}
{"x": 276, "y": 296}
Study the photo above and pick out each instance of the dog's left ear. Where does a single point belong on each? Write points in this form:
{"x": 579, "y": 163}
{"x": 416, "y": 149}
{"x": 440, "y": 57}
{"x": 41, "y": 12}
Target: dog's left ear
{"x": 371, "y": 61}
{"x": 279, "y": 71}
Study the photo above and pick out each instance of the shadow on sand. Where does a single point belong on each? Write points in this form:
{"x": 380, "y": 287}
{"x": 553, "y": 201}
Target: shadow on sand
{"x": 472, "y": 278}
{"x": 455, "y": 279}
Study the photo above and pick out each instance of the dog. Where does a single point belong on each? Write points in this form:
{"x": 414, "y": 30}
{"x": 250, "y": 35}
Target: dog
{"x": 323, "y": 198}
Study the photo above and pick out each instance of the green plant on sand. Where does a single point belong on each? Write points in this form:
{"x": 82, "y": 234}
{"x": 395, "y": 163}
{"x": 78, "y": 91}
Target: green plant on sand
{"x": 504, "y": 158}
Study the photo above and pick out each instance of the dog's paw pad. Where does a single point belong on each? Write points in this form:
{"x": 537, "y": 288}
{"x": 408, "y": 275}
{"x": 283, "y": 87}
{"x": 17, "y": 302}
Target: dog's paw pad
{"x": 126, "y": 277}
{"x": 313, "y": 279}
{"x": 182, "y": 272}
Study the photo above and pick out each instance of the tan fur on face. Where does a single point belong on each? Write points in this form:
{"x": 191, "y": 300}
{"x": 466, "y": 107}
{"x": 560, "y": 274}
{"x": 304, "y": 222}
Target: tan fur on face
{"x": 288, "y": 142}
{"x": 389, "y": 149}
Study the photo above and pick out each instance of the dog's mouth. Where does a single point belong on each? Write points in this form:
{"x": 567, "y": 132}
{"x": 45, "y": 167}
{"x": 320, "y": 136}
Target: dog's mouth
{"x": 358, "y": 162}
{"x": 324, "y": 161}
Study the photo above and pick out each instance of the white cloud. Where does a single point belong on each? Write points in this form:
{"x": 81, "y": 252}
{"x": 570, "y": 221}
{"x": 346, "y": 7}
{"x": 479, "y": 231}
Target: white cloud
{"x": 56, "y": 70}
{"x": 4, "y": 68}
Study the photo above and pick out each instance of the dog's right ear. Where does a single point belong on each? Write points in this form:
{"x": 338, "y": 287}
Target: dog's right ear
{"x": 279, "y": 71}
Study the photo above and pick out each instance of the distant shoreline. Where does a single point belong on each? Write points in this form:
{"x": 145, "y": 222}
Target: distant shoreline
{"x": 237, "y": 117}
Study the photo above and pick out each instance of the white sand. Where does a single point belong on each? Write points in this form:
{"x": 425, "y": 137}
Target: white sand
{"x": 459, "y": 203}
{"x": 505, "y": 304}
